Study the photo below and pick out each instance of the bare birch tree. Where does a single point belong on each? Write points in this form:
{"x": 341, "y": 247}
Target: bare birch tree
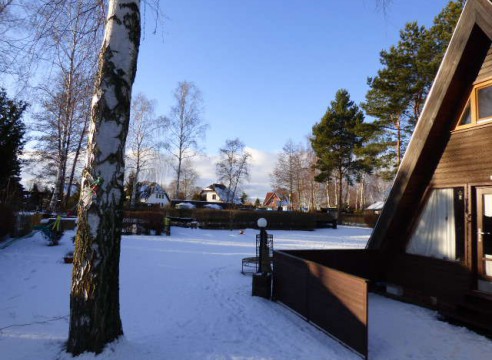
{"x": 287, "y": 172}
{"x": 184, "y": 127}
{"x": 71, "y": 38}
{"x": 233, "y": 166}
{"x": 141, "y": 143}
{"x": 188, "y": 179}
{"x": 94, "y": 298}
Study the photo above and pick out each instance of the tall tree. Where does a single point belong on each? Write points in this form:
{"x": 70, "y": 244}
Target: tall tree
{"x": 71, "y": 31}
{"x": 233, "y": 166}
{"x": 398, "y": 92}
{"x": 141, "y": 143}
{"x": 12, "y": 131}
{"x": 94, "y": 298}
{"x": 12, "y": 38}
{"x": 288, "y": 170}
{"x": 187, "y": 187}
{"x": 340, "y": 142}
{"x": 184, "y": 126}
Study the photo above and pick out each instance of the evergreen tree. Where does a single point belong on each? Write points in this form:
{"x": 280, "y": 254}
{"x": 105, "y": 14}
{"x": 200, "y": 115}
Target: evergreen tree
{"x": 341, "y": 141}
{"x": 244, "y": 198}
{"x": 12, "y": 141}
{"x": 398, "y": 92}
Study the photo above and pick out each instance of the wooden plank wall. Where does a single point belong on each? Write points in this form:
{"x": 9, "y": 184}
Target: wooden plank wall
{"x": 466, "y": 158}
{"x": 333, "y": 300}
{"x": 486, "y": 69}
{"x": 362, "y": 263}
{"x": 447, "y": 281}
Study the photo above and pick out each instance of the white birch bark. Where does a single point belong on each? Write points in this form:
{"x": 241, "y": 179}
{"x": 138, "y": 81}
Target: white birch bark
{"x": 94, "y": 298}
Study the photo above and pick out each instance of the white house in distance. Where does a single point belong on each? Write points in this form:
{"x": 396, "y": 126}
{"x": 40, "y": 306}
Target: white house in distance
{"x": 218, "y": 193}
{"x": 151, "y": 193}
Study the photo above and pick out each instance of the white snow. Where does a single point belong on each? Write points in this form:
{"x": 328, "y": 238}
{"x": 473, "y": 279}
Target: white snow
{"x": 183, "y": 297}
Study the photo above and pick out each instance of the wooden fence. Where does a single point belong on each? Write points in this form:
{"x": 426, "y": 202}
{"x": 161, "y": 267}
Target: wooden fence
{"x": 335, "y": 300}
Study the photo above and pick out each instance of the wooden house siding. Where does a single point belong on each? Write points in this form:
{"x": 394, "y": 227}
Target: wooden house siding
{"x": 466, "y": 159}
{"x": 486, "y": 69}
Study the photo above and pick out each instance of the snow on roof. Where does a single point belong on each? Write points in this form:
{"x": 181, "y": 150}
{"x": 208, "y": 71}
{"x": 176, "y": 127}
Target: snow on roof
{"x": 145, "y": 189}
{"x": 223, "y": 193}
{"x": 376, "y": 206}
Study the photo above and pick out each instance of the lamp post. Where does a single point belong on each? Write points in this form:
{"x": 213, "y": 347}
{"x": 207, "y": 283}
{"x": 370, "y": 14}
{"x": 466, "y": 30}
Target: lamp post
{"x": 262, "y": 280}
{"x": 264, "y": 261}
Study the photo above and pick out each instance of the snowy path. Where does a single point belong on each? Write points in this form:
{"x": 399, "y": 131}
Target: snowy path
{"x": 183, "y": 297}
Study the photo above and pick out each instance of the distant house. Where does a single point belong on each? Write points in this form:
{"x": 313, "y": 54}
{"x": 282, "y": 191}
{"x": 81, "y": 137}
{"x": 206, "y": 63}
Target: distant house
{"x": 273, "y": 201}
{"x": 151, "y": 193}
{"x": 218, "y": 193}
{"x": 376, "y": 207}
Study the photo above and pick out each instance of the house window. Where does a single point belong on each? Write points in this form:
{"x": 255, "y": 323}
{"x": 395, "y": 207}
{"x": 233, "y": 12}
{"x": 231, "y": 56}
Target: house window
{"x": 478, "y": 108}
{"x": 466, "y": 116}
{"x": 214, "y": 197}
{"x": 484, "y": 100}
{"x": 440, "y": 229}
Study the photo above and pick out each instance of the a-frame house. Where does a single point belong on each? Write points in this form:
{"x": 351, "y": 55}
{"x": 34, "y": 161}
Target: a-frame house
{"x": 435, "y": 230}
{"x": 433, "y": 241}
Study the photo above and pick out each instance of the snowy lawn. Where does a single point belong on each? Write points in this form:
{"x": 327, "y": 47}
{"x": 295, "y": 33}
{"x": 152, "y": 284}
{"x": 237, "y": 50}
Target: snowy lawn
{"x": 183, "y": 297}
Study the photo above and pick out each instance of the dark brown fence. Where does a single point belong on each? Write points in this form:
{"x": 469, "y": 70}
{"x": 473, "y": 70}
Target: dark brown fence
{"x": 332, "y": 299}
{"x": 367, "y": 219}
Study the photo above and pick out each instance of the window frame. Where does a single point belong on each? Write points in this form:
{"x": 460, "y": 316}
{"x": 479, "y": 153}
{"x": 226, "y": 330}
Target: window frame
{"x": 462, "y": 113}
{"x": 473, "y": 103}
{"x": 476, "y": 89}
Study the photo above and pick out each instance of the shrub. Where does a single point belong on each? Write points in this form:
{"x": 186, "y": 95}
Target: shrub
{"x": 147, "y": 220}
{"x": 7, "y": 223}
{"x": 240, "y": 219}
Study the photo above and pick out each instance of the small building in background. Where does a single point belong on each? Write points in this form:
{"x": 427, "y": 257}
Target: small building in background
{"x": 275, "y": 201}
{"x": 151, "y": 193}
{"x": 220, "y": 194}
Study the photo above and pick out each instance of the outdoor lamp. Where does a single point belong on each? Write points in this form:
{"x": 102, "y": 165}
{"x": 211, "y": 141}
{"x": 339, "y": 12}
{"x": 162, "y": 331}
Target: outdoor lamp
{"x": 262, "y": 223}
{"x": 264, "y": 260}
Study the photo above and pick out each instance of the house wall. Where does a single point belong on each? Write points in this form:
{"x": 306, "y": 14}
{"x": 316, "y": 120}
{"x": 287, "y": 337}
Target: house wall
{"x": 152, "y": 199}
{"x": 209, "y": 196}
{"x": 466, "y": 159}
{"x": 449, "y": 158}
{"x": 486, "y": 69}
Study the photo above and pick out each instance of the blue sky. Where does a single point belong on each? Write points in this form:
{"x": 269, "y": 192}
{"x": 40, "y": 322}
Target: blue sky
{"x": 268, "y": 69}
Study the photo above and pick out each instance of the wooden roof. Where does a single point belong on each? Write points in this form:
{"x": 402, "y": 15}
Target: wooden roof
{"x": 453, "y": 83}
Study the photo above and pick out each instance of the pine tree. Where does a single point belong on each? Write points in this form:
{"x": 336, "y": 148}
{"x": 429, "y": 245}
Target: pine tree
{"x": 398, "y": 92}
{"x": 341, "y": 142}
{"x": 12, "y": 131}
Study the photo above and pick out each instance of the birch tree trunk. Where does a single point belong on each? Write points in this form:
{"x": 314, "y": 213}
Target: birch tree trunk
{"x": 94, "y": 299}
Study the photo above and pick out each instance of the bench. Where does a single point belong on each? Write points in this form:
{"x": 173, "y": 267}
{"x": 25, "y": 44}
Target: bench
{"x": 252, "y": 265}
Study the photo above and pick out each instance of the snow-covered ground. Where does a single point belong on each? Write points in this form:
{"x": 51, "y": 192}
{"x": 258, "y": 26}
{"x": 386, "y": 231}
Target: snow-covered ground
{"x": 183, "y": 297}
